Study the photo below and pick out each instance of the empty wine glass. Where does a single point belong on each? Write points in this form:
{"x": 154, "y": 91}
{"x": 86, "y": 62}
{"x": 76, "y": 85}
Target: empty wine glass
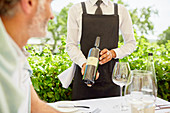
{"x": 139, "y": 92}
{"x": 120, "y": 76}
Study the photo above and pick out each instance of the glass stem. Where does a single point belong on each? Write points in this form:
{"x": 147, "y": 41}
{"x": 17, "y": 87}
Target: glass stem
{"x": 122, "y": 106}
{"x": 121, "y": 88}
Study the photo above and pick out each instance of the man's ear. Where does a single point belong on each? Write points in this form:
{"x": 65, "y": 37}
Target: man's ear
{"x": 28, "y": 5}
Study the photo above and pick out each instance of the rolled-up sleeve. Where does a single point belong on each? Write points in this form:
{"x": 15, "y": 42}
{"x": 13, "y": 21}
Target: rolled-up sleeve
{"x": 72, "y": 41}
{"x": 126, "y": 29}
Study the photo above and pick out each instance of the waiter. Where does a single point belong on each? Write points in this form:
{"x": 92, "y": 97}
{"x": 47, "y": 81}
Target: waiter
{"x": 86, "y": 21}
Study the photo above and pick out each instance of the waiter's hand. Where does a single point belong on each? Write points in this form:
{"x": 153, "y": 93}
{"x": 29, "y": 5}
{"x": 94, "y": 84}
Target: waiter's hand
{"x": 106, "y": 56}
{"x": 83, "y": 69}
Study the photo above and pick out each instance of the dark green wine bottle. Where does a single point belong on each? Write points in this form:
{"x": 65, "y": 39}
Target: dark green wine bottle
{"x": 92, "y": 64}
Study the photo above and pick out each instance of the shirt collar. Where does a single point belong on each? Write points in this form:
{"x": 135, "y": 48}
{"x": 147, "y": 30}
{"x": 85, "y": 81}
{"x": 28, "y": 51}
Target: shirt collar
{"x": 21, "y": 52}
{"x": 93, "y": 2}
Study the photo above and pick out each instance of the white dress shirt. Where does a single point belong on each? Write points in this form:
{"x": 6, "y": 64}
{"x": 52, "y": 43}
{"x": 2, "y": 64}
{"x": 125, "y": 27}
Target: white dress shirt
{"x": 15, "y": 71}
{"x": 74, "y": 29}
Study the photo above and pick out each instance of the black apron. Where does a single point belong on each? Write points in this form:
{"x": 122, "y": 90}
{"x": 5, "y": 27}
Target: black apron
{"x": 107, "y": 27}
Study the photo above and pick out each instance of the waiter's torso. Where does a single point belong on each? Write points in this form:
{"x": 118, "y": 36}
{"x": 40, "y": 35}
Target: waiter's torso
{"x": 107, "y": 27}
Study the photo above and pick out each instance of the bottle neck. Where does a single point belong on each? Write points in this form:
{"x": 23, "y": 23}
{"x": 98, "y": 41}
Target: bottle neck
{"x": 150, "y": 58}
{"x": 150, "y": 64}
{"x": 96, "y": 47}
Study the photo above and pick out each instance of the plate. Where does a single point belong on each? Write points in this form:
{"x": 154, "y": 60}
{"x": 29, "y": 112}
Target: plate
{"x": 65, "y": 109}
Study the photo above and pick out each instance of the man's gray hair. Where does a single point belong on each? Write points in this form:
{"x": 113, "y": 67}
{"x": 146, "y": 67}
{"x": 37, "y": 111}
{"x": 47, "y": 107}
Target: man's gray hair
{"x": 6, "y": 6}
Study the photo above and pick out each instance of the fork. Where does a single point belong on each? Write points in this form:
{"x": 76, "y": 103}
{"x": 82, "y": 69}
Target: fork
{"x": 162, "y": 106}
{"x": 97, "y": 110}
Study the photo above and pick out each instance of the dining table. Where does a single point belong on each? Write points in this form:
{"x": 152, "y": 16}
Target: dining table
{"x": 106, "y": 105}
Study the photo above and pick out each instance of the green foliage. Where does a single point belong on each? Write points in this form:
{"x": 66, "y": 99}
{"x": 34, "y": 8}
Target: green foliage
{"x": 138, "y": 60}
{"x": 58, "y": 26}
{"x": 141, "y": 19}
{"x": 46, "y": 67}
{"x": 164, "y": 37}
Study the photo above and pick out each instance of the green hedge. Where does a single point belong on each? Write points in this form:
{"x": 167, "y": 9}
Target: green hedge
{"x": 161, "y": 54}
{"x": 47, "y": 66}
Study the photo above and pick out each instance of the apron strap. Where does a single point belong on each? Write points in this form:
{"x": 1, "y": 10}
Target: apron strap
{"x": 84, "y": 8}
{"x": 115, "y": 8}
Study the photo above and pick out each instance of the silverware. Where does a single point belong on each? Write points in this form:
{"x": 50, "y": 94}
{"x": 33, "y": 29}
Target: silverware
{"x": 97, "y": 110}
{"x": 157, "y": 105}
{"x": 72, "y": 106}
{"x": 162, "y": 106}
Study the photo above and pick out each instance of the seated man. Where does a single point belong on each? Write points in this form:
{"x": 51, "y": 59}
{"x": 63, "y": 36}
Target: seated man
{"x": 19, "y": 21}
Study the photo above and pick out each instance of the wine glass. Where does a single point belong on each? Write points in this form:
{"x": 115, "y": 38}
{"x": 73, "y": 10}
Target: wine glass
{"x": 120, "y": 76}
{"x": 139, "y": 92}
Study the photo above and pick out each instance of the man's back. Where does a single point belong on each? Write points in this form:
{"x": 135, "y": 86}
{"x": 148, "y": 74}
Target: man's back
{"x": 10, "y": 95}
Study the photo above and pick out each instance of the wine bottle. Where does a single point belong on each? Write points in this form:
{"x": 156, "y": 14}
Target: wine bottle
{"x": 92, "y": 64}
{"x": 150, "y": 67}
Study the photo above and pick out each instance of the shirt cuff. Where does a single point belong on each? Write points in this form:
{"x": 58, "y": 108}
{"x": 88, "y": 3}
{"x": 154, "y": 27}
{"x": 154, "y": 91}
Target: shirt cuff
{"x": 117, "y": 53}
{"x": 81, "y": 62}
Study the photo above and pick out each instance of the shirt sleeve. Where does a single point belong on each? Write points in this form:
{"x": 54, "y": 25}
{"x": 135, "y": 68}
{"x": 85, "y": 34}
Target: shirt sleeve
{"x": 72, "y": 48}
{"x": 28, "y": 71}
{"x": 11, "y": 96}
{"x": 126, "y": 29}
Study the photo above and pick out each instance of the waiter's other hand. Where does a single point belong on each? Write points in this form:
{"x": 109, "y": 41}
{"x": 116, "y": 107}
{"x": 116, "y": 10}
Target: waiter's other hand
{"x": 83, "y": 70}
{"x": 106, "y": 56}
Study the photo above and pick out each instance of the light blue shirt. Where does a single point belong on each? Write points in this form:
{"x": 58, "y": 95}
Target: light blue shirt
{"x": 14, "y": 76}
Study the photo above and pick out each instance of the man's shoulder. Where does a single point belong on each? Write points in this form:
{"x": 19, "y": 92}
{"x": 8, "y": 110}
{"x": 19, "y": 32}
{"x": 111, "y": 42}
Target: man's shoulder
{"x": 8, "y": 55}
{"x": 75, "y": 9}
{"x": 121, "y": 6}
{"x": 76, "y": 6}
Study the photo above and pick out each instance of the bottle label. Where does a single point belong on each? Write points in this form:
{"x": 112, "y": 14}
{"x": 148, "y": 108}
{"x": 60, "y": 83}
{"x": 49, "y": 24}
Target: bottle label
{"x": 92, "y": 61}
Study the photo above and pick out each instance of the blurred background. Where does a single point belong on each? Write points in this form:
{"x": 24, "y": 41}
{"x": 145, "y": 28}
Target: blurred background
{"x": 161, "y": 21}
{"x": 151, "y": 23}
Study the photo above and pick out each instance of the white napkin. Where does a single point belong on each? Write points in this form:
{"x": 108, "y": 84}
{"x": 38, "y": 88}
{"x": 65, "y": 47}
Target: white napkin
{"x": 67, "y": 76}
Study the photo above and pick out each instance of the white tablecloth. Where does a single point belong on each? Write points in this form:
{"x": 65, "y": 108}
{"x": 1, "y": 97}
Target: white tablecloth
{"x": 106, "y": 105}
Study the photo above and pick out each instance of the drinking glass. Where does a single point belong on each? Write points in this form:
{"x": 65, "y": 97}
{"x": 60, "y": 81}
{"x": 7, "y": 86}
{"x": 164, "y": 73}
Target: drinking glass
{"x": 120, "y": 76}
{"x": 139, "y": 92}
